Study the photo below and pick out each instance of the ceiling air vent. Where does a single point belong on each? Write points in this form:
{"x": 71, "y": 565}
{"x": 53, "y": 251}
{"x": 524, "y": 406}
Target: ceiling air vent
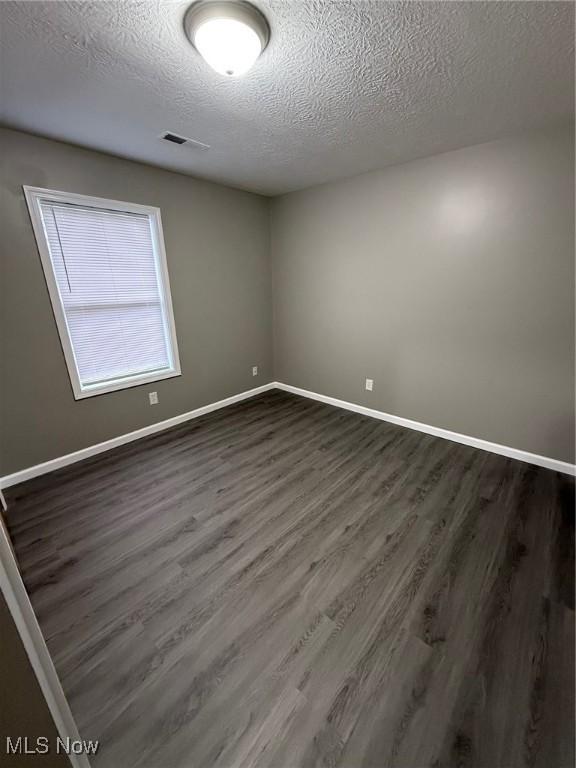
{"x": 174, "y": 138}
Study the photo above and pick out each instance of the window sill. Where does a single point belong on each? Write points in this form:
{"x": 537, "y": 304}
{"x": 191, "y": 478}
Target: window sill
{"x": 127, "y": 383}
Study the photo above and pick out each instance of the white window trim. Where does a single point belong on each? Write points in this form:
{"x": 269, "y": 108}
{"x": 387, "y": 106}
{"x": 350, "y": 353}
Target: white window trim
{"x": 34, "y": 195}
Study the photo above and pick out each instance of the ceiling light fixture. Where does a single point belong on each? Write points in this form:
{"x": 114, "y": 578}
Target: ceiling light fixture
{"x": 228, "y": 34}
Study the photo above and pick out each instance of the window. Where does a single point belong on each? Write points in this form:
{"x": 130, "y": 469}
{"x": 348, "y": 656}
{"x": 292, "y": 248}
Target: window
{"x": 106, "y": 272}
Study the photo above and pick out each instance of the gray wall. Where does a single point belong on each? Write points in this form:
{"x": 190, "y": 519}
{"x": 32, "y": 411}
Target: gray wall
{"x": 449, "y": 280}
{"x": 23, "y": 709}
{"x": 217, "y": 245}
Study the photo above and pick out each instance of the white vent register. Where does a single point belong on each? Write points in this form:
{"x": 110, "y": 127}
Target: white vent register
{"x": 106, "y": 272}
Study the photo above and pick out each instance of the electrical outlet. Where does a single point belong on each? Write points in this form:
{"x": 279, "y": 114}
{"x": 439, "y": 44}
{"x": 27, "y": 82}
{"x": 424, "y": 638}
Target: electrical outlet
{"x": 369, "y": 384}
{"x": 153, "y": 397}
{"x": 254, "y": 370}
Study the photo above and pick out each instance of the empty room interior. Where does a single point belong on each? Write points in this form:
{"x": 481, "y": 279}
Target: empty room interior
{"x": 287, "y": 438}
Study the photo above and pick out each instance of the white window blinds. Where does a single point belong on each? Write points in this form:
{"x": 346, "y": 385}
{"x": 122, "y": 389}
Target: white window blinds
{"x": 112, "y": 294}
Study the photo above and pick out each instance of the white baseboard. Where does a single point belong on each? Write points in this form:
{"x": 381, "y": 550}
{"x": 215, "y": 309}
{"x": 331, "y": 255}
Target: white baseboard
{"x": 15, "y": 592}
{"x": 93, "y": 450}
{"x": 474, "y": 442}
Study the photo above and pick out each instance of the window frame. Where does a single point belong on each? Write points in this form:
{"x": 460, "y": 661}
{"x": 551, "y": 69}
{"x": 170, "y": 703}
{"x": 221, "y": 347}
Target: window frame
{"x": 34, "y": 196}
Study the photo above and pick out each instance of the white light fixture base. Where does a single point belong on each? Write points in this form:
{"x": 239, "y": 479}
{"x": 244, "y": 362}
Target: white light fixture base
{"x": 228, "y": 34}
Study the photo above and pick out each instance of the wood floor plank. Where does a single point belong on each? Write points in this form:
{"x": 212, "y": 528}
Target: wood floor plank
{"x": 283, "y": 584}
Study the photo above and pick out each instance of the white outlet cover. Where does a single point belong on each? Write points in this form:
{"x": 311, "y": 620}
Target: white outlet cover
{"x": 254, "y": 370}
{"x": 369, "y": 384}
{"x": 153, "y": 397}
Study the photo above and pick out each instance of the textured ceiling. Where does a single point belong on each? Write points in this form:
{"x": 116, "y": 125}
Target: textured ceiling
{"x": 343, "y": 87}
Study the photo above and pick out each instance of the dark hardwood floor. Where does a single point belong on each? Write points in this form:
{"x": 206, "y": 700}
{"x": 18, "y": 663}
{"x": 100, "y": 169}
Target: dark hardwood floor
{"x": 283, "y": 584}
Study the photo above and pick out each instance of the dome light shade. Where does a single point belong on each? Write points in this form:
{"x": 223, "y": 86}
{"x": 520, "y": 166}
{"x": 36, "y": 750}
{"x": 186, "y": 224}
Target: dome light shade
{"x": 229, "y": 46}
{"x": 228, "y": 34}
